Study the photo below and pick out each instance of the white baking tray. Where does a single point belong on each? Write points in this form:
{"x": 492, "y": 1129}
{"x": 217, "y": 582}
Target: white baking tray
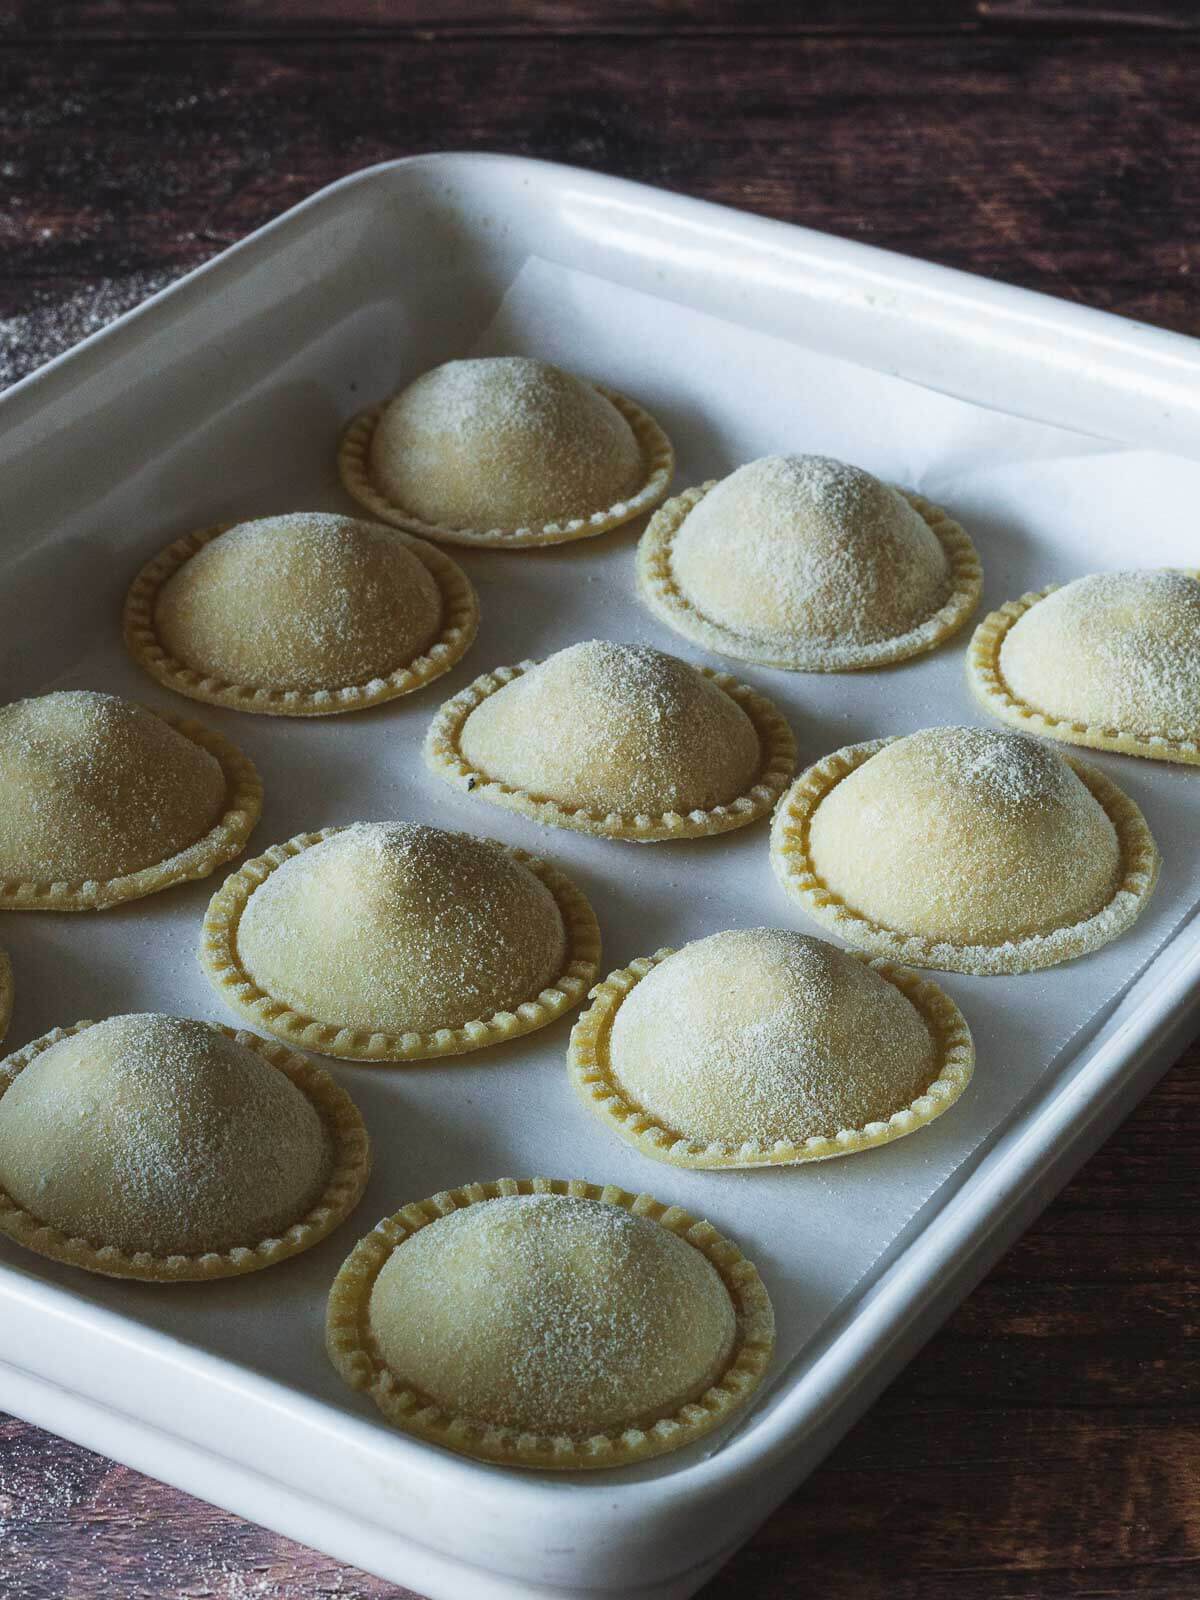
{"x": 222, "y": 397}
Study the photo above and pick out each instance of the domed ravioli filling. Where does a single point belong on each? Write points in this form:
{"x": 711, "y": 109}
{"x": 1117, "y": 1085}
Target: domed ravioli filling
{"x": 619, "y": 728}
{"x": 396, "y": 927}
{"x": 159, "y": 1134}
{"x": 551, "y": 1314}
{"x": 306, "y": 601}
{"x": 966, "y": 835}
{"x": 765, "y": 1036}
{"x": 1117, "y": 650}
{"x": 503, "y": 442}
{"x": 95, "y": 787}
{"x": 806, "y": 548}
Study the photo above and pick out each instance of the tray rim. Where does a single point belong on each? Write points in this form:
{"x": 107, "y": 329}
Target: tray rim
{"x": 1117, "y": 1061}
{"x": 864, "y": 276}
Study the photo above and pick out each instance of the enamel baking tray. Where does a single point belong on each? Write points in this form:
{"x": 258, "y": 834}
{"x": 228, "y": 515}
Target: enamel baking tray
{"x": 222, "y": 397}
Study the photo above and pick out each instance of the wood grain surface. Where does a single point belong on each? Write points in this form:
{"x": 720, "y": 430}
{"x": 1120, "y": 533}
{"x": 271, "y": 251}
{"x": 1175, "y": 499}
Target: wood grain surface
{"x": 1047, "y": 1443}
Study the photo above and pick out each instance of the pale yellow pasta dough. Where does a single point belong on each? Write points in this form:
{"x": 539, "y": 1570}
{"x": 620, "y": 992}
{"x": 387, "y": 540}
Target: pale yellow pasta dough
{"x": 502, "y": 442}
{"x": 765, "y": 1036}
{"x": 621, "y": 728}
{"x": 305, "y": 601}
{"x": 810, "y": 564}
{"x": 1117, "y": 650}
{"x": 805, "y": 550}
{"x": 537, "y": 1322}
{"x": 154, "y": 1133}
{"x": 397, "y": 928}
{"x": 95, "y": 787}
{"x": 551, "y": 1314}
{"x": 966, "y": 835}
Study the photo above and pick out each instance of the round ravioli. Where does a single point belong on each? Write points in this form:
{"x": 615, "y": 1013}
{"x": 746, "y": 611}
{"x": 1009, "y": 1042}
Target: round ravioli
{"x": 966, "y": 849}
{"x": 306, "y": 614}
{"x": 391, "y": 941}
{"x": 104, "y": 801}
{"x": 1111, "y": 661}
{"x": 505, "y": 450}
{"x": 545, "y": 1324}
{"x": 618, "y": 740}
{"x": 761, "y": 1047}
{"x": 155, "y": 1147}
{"x": 808, "y": 563}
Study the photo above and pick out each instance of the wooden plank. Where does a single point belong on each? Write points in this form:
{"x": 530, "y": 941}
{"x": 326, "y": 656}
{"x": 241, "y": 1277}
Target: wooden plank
{"x": 1068, "y": 166}
{"x": 120, "y": 19}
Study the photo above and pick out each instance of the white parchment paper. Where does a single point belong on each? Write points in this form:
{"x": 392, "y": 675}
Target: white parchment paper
{"x": 1042, "y": 504}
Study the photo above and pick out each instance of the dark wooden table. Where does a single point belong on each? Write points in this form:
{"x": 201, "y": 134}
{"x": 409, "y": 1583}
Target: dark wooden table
{"x": 1047, "y": 1443}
